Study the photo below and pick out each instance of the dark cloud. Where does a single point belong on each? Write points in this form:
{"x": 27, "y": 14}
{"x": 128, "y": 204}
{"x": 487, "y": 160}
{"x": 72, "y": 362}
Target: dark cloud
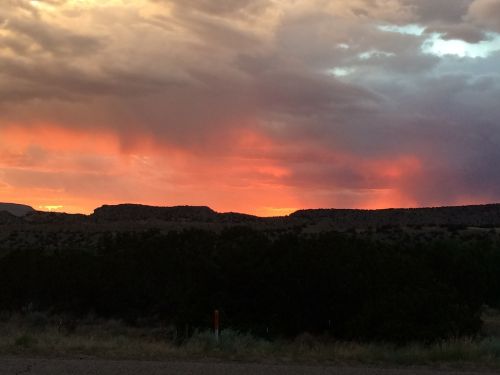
{"x": 447, "y": 11}
{"x": 50, "y": 80}
{"x": 222, "y": 7}
{"x": 465, "y": 32}
{"x": 448, "y": 18}
{"x": 215, "y": 35}
{"x": 54, "y": 40}
{"x": 464, "y": 174}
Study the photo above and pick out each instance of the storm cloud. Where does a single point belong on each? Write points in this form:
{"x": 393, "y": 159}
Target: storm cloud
{"x": 359, "y": 103}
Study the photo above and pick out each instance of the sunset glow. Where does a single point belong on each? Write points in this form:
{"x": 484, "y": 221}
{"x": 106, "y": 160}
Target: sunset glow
{"x": 257, "y": 106}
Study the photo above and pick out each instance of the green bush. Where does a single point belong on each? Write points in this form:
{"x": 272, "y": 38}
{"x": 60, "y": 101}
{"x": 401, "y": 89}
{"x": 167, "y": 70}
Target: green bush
{"x": 25, "y": 341}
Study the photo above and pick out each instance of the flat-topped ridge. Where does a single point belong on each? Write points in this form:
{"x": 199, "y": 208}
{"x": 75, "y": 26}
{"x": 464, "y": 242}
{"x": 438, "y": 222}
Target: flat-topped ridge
{"x": 124, "y": 212}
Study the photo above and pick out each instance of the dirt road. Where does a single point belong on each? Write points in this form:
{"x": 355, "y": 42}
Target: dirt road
{"x": 16, "y": 366}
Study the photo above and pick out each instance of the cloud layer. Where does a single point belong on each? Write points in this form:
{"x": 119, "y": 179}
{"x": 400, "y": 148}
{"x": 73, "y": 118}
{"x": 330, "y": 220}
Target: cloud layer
{"x": 262, "y": 106}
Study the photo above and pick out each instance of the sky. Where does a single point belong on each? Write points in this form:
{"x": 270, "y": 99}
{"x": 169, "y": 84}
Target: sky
{"x": 255, "y": 106}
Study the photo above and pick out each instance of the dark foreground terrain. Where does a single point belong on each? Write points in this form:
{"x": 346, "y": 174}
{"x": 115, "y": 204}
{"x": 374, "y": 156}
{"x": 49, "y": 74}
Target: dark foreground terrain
{"x": 397, "y": 276}
{"x": 19, "y": 366}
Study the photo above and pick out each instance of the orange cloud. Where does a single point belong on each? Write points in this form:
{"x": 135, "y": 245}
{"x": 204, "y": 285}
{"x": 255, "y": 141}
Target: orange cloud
{"x": 53, "y": 168}
{"x": 74, "y": 171}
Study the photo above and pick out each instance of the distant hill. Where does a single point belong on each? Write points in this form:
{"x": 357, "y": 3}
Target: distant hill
{"x": 21, "y": 227}
{"x": 475, "y": 216}
{"x": 126, "y": 212}
{"x": 136, "y": 212}
{"x": 16, "y": 209}
{"x": 125, "y": 217}
{"x": 316, "y": 219}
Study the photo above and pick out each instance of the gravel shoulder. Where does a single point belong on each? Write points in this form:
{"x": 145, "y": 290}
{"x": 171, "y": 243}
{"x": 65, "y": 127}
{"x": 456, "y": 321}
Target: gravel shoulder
{"x": 25, "y": 366}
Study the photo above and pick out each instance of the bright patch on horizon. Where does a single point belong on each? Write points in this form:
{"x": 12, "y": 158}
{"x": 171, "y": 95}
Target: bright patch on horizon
{"x": 51, "y": 208}
{"x": 275, "y": 211}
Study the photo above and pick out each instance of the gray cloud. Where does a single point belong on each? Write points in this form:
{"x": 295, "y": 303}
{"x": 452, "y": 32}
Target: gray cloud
{"x": 222, "y": 7}
{"x": 447, "y": 11}
{"x": 451, "y": 18}
{"x": 465, "y": 32}
{"x": 52, "y": 39}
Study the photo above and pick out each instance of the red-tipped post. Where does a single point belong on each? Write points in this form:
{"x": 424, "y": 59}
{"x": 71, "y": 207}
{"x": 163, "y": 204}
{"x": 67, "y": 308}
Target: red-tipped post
{"x": 216, "y": 325}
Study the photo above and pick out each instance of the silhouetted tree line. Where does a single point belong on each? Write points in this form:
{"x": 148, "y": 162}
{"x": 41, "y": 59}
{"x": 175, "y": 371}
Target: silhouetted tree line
{"x": 272, "y": 284}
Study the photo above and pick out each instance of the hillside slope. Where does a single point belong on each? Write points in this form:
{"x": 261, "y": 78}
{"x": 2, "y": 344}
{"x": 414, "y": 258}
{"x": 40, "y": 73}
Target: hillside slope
{"x": 16, "y": 209}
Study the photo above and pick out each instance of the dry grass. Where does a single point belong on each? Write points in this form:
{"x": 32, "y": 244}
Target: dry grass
{"x": 37, "y": 336}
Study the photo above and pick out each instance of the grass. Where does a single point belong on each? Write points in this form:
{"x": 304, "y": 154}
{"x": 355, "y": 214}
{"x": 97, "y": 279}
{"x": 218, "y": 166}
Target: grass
{"x": 37, "y": 336}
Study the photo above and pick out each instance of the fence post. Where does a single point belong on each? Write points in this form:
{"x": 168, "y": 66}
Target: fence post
{"x": 216, "y": 325}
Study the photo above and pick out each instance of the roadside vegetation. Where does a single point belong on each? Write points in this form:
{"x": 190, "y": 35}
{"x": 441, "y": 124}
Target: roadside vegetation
{"x": 38, "y": 334}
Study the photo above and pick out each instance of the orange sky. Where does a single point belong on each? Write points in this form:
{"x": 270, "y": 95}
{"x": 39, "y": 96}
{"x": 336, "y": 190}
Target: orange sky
{"x": 52, "y": 168}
